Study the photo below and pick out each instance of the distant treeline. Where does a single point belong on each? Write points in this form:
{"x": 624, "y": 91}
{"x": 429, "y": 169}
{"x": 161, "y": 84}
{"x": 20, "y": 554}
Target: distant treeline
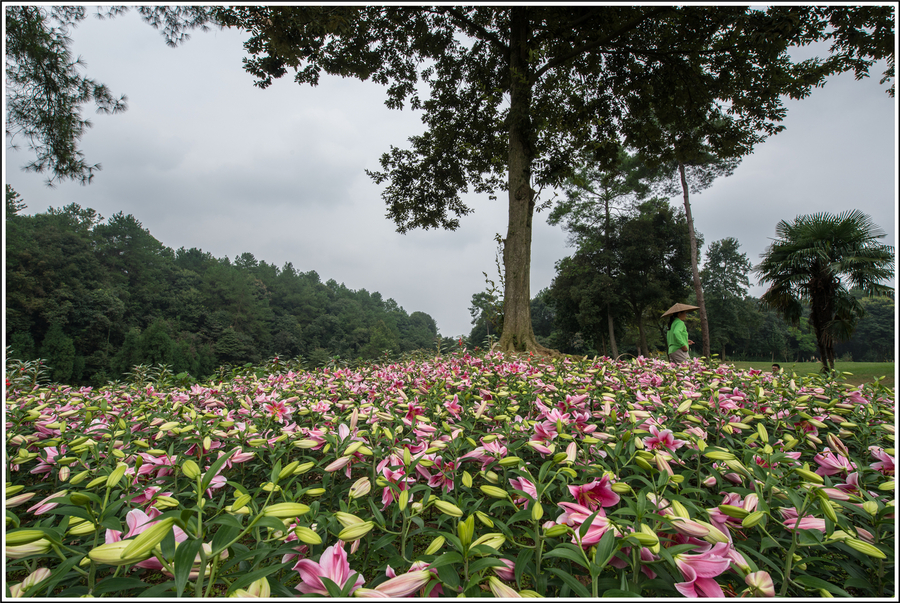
{"x": 756, "y": 334}
{"x": 95, "y": 297}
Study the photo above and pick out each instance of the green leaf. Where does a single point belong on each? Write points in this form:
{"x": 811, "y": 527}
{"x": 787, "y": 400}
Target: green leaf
{"x": 378, "y": 517}
{"x": 606, "y": 548}
{"x": 446, "y": 559}
{"x": 223, "y": 536}
{"x": 214, "y": 468}
{"x": 448, "y": 575}
{"x": 157, "y": 592}
{"x": 767, "y": 543}
{"x": 348, "y": 586}
{"x": 253, "y": 576}
{"x": 567, "y": 554}
{"x": 71, "y": 511}
{"x": 570, "y": 580}
{"x": 167, "y": 546}
{"x": 485, "y": 563}
{"x": 864, "y": 585}
{"x": 111, "y": 585}
{"x": 523, "y": 561}
{"x": 226, "y": 519}
{"x": 276, "y": 469}
{"x": 184, "y": 561}
{"x": 812, "y": 582}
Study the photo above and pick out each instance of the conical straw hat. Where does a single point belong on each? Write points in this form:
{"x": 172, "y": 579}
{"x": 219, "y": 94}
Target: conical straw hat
{"x": 680, "y": 308}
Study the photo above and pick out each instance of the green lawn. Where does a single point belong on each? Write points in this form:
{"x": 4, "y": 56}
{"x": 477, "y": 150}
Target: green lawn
{"x": 862, "y": 372}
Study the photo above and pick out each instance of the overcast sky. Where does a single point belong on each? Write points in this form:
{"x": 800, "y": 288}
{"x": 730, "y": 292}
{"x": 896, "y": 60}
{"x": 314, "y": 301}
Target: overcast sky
{"x": 202, "y": 158}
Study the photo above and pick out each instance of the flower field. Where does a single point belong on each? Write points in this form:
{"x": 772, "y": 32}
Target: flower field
{"x": 477, "y": 475}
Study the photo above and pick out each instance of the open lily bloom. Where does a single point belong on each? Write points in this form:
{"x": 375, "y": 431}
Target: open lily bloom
{"x": 332, "y": 565}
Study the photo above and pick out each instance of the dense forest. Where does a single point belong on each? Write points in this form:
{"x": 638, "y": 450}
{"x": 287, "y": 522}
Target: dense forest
{"x": 94, "y": 298}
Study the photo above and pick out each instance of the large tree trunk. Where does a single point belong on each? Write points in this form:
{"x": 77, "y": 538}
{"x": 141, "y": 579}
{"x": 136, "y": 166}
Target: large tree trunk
{"x": 518, "y": 334}
{"x": 698, "y": 288}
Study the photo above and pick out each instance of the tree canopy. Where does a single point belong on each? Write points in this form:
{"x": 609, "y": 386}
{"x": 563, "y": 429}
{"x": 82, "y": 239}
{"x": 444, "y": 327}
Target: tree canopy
{"x": 816, "y": 259}
{"x": 94, "y": 297}
{"x": 513, "y": 84}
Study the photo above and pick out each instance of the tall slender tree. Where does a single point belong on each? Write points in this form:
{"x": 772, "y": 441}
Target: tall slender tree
{"x": 594, "y": 199}
{"x": 725, "y": 280}
{"x": 812, "y": 260}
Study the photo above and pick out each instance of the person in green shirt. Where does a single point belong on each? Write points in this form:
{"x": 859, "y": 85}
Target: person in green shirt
{"x": 677, "y": 337}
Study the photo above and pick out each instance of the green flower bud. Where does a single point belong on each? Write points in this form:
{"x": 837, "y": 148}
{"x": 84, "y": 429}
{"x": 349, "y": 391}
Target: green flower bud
{"x": 448, "y": 508}
{"x": 111, "y": 554}
{"x": 347, "y": 519}
{"x": 190, "y": 469}
{"x": 285, "y": 510}
{"x": 145, "y": 542}
{"x": 307, "y": 535}
{"x": 288, "y": 470}
{"x": 116, "y": 476}
{"x": 557, "y": 530}
{"x": 752, "y": 519}
{"x": 20, "y": 537}
{"x": 493, "y": 491}
{"x": 435, "y": 545}
{"x": 355, "y": 532}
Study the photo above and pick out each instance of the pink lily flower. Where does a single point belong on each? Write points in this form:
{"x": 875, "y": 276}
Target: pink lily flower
{"x": 574, "y": 515}
{"x": 885, "y": 463}
{"x": 443, "y": 478}
{"x": 507, "y": 573}
{"x": 699, "y": 571}
{"x": 237, "y": 457}
{"x": 147, "y": 495}
{"x": 720, "y": 520}
{"x": 808, "y": 522}
{"x": 405, "y": 584}
{"x": 44, "y": 506}
{"x": 595, "y": 494}
{"x": 417, "y": 566}
{"x": 453, "y": 406}
{"x": 302, "y": 549}
{"x": 830, "y": 463}
{"x": 760, "y": 583}
{"x": 525, "y": 486}
{"x": 662, "y": 439}
{"x": 46, "y": 464}
{"x": 332, "y": 565}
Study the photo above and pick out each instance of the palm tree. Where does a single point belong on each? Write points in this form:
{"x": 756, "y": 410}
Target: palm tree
{"x": 813, "y": 260}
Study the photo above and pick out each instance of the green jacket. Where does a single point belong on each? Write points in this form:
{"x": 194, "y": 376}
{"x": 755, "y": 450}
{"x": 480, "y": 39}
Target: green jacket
{"x": 677, "y": 336}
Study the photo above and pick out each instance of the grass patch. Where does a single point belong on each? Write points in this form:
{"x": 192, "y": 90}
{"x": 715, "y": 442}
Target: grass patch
{"x": 861, "y": 372}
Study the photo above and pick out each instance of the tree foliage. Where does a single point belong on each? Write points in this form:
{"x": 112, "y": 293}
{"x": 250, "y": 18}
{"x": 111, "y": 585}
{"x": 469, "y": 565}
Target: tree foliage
{"x": 510, "y": 85}
{"x": 637, "y": 269}
{"x": 816, "y": 259}
{"x": 46, "y": 91}
{"x": 725, "y": 285}
{"x": 96, "y": 297}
